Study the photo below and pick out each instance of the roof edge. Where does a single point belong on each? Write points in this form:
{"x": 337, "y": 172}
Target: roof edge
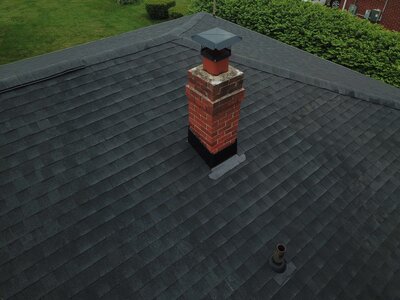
{"x": 321, "y": 83}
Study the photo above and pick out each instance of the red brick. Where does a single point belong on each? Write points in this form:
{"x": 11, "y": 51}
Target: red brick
{"x": 213, "y": 121}
{"x": 390, "y": 17}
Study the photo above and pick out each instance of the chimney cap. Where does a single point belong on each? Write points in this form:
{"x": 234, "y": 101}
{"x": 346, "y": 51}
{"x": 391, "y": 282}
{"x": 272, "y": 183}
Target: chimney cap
{"x": 216, "y": 39}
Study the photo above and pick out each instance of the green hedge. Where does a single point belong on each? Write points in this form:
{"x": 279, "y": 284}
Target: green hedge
{"x": 176, "y": 12}
{"x": 158, "y": 9}
{"x": 123, "y": 2}
{"x": 329, "y": 33}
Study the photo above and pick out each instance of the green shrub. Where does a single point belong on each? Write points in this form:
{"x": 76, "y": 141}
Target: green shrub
{"x": 176, "y": 12}
{"x": 122, "y": 2}
{"x": 158, "y": 9}
{"x": 331, "y": 34}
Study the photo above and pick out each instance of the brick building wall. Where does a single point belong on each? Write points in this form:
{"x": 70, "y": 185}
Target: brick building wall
{"x": 390, "y": 17}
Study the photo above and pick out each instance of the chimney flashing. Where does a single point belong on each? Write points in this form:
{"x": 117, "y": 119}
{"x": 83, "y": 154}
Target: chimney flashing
{"x": 226, "y": 166}
{"x": 211, "y": 159}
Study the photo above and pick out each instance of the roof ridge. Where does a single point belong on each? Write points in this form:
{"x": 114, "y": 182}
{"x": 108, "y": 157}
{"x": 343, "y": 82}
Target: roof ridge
{"x": 122, "y": 51}
{"x": 289, "y": 74}
{"x": 40, "y": 73}
{"x": 196, "y": 18}
{"x": 52, "y": 71}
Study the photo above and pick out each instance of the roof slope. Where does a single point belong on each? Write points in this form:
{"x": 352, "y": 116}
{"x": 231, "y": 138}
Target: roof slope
{"x": 102, "y": 196}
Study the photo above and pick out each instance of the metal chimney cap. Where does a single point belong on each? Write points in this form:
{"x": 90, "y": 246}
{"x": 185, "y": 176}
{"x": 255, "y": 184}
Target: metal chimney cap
{"x": 216, "y": 39}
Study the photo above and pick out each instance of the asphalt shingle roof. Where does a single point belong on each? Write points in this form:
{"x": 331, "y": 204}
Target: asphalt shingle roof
{"x": 101, "y": 196}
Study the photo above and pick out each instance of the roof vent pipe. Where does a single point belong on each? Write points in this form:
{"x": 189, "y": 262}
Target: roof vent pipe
{"x": 277, "y": 260}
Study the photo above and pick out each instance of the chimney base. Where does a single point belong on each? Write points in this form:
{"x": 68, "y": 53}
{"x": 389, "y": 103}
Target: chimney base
{"x": 211, "y": 159}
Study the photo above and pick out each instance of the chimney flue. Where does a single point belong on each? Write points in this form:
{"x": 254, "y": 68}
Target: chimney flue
{"x": 214, "y": 94}
{"x": 215, "y": 49}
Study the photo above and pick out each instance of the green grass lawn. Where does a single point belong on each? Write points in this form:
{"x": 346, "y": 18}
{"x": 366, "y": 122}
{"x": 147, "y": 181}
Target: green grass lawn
{"x": 33, "y": 27}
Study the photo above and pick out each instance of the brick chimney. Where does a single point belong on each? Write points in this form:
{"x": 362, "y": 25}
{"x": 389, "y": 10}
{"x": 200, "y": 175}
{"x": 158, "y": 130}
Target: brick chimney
{"x": 214, "y": 94}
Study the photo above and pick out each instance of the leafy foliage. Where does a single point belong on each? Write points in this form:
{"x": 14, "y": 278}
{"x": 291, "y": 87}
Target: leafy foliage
{"x": 122, "y": 2}
{"x": 158, "y": 9}
{"x": 331, "y": 34}
{"x": 176, "y": 12}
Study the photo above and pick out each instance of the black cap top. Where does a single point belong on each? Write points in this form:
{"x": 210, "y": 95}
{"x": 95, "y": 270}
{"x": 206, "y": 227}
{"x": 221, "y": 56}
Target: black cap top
{"x": 216, "y": 39}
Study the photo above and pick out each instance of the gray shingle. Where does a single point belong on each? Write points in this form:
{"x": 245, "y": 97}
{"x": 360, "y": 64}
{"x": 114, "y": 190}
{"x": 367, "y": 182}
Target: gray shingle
{"x": 103, "y": 197}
